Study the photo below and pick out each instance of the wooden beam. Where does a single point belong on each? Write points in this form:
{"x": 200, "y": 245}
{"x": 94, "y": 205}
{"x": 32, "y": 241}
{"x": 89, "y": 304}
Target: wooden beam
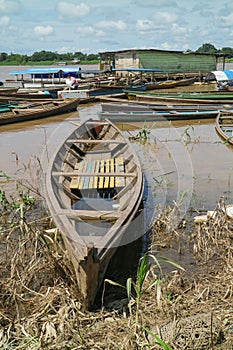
{"x": 90, "y": 214}
{"x": 96, "y": 141}
{"x": 76, "y": 173}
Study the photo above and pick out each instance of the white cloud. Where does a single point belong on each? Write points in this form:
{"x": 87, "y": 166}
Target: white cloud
{"x": 89, "y": 30}
{"x": 69, "y": 10}
{"x": 177, "y": 29}
{"x": 154, "y": 3}
{"x": 4, "y": 21}
{"x": 10, "y": 6}
{"x": 118, "y": 25}
{"x": 228, "y": 20}
{"x": 43, "y": 31}
{"x": 168, "y": 46}
{"x": 165, "y": 17}
{"x": 144, "y": 24}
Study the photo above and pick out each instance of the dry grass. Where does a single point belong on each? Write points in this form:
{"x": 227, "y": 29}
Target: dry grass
{"x": 40, "y": 307}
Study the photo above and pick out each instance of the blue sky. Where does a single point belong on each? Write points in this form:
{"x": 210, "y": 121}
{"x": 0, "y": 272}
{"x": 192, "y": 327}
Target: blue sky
{"x": 93, "y": 26}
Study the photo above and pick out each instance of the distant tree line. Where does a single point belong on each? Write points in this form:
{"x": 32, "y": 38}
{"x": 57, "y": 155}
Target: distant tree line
{"x": 209, "y": 48}
{"x": 46, "y": 56}
{"x": 52, "y": 57}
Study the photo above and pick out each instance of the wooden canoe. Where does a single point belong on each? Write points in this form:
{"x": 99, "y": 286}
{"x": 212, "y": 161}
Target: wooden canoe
{"x": 93, "y": 189}
{"x": 160, "y": 84}
{"x": 171, "y": 83}
{"x": 208, "y": 95}
{"x": 25, "y": 95}
{"x": 142, "y": 116}
{"x": 169, "y": 101}
{"x": 224, "y": 126}
{"x": 119, "y": 106}
{"x": 214, "y": 98}
{"x": 38, "y": 110}
{"x": 4, "y": 89}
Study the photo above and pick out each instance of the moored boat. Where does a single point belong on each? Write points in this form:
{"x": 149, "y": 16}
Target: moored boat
{"x": 141, "y": 116}
{"x": 31, "y": 111}
{"x": 93, "y": 189}
{"x": 4, "y": 90}
{"x": 130, "y": 106}
{"x": 224, "y": 126}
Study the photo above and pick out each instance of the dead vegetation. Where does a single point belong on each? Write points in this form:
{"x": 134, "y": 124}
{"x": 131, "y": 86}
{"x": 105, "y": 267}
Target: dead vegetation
{"x": 40, "y": 307}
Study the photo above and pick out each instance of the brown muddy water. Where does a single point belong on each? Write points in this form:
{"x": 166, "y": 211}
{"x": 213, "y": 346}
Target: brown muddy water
{"x": 185, "y": 159}
{"x": 184, "y": 163}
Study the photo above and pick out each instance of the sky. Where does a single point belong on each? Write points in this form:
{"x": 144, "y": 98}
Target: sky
{"x": 92, "y": 26}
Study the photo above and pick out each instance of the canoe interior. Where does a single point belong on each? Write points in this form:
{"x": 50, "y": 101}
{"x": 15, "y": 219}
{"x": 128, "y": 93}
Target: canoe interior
{"x": 95, "y": 180}
{"x": 94, "y": 188}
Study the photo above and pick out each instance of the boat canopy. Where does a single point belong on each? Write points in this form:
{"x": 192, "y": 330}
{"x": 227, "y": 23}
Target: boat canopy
{"x": 223, "y": 75}
{"x": 48, "y": 72}
{"x": 56, "y": 72}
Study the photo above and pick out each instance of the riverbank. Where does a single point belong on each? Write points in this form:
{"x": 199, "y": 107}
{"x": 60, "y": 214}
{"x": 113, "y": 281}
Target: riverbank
{"x": 48, "y": 63}
{"x": 188, "y": 308}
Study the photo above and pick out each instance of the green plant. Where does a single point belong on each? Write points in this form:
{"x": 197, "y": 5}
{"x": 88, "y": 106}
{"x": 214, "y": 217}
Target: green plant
{"x": 158, "y": 340}
{"x": 136, "y": 289}
{"x": 143, "y": 134}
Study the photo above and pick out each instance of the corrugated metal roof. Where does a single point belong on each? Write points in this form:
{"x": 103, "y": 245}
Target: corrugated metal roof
{"x": 158, "y": 50}
{"x": 223, "y": 75}
{"x": 156, "y": 70}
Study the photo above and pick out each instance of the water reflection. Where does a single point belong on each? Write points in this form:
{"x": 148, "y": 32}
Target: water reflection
{"x": 179, "y": 162}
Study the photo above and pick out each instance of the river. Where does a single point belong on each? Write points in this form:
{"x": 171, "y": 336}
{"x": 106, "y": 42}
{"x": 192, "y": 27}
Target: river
{"x": 183, "y": 161}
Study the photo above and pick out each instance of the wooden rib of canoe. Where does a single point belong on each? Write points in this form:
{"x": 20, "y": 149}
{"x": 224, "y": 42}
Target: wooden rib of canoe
{"x": 224, "y": 126}
{"x": 142, "y": 116}
{"x": 93, "y": 189}
{"x": 30, "y": 111}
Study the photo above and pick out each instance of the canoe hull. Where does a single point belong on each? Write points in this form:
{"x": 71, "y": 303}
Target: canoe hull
{"x": 38, "y": 111}
{"x": 93, "y": 190}
{"x": 136, "y": 116}
{"x": 224, "y": 126}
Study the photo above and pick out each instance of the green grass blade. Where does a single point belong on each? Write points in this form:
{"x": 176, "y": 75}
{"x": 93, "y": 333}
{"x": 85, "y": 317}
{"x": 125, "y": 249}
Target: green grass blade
{"x": 129, "y": 287}
{"x": 158, "y": 340}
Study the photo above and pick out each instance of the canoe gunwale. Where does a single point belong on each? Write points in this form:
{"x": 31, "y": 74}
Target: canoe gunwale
{"x": 218, "y": 124}
{"x": 90, "y": 255}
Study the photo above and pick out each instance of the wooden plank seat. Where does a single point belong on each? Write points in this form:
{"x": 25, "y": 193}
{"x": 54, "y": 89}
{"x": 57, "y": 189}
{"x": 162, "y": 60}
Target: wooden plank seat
{"x": 111, "y": 168}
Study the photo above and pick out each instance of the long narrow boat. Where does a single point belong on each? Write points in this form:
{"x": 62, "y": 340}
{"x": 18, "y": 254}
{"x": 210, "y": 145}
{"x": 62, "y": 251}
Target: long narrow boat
{"x": 158, "y": 100}
{"x": 37, "y": 95}
{"x": 119, "y": 106}
{"x": 141, "y": 116}
{"x": 4, "y": 89}
{"x": 209, "y": 95}
{"x": 177, "y": 99}
{"x": 166, "y": 84}
{"x": 224, "y": 126}
{"x": 93, "y": 190}
{"x": 38, "y": 110}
